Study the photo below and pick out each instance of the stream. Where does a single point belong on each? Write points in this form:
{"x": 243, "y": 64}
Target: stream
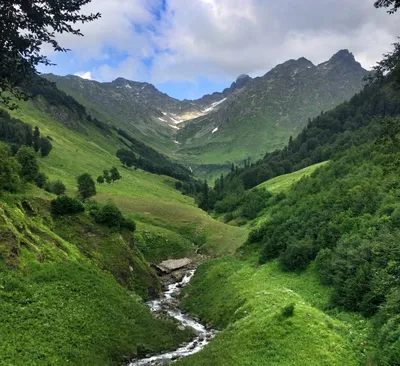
{"x": 168, "y": 302}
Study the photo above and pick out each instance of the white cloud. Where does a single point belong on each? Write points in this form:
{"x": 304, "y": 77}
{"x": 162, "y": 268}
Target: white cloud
{"x": 221, "y": 39}
{"x": 84, "y": 75}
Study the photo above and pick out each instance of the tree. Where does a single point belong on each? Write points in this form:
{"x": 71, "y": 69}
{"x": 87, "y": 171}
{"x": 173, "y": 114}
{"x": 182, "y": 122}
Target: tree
{"x": 57, "y": 187}
{"x": 41, "y": 180}
{"x": 392, "y": 4}
{"x": 25, "y": 26}
{"x": 391, "y": 60}
{"x": 29, "y": 165}
{"x": 36, "y": 139}
{"x": 45, "y": 146}
{"x": 9, "y": 171}
{"x": 65, "y": 205}
{"x": 86, "y": 186}
{"x": 114, "y": 174}
{"x": 100, "y": 179}
{"x": 107, "y": 176}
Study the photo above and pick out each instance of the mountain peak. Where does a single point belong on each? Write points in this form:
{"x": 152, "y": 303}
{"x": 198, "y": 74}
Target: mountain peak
{"x": 243, "y": 77}
{"x": 343, "y": 56}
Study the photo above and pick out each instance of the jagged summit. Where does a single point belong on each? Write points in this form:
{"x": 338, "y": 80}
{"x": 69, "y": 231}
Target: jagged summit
{"x": 251, "y": 116}
{"x": 343, "y": 55}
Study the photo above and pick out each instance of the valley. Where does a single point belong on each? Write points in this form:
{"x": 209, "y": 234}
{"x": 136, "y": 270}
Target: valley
{"x": 295, "y": 239}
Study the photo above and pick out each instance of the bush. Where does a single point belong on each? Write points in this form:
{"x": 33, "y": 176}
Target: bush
{"x": 57, "y": 187}
{"x": 296, "y": 256}
{"x": 128, "y": 224}
{"x": 65, "y": 205}
{"x": 86, "y": 186}
{"x": 41, "y": 180}
{"x": 288, "y": 311}
{"x": 29, "y": 165}
{"x": 111, "y": 216}
{"x": 45, "y": 146}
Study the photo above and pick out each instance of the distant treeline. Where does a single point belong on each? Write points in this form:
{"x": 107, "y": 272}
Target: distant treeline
{"x": 17, "y": 133}
{"x": 141, "y": 156}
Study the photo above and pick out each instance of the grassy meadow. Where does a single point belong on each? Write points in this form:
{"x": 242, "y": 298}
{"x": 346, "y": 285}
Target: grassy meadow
{"x": 270, "y": 317}
{"x": 284, "y": 182}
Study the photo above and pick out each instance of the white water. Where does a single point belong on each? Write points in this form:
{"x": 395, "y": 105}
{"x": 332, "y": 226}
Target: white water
{"x": 167, "y": 303}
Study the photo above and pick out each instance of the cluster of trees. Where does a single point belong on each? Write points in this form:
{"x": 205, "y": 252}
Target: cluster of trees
{"x": 18, "y": 169}
{"x": 141, "y": 156}
{"x": 144, "y": 157}
{"x": 109, "y": 176}
{"x": 17, "y": 133}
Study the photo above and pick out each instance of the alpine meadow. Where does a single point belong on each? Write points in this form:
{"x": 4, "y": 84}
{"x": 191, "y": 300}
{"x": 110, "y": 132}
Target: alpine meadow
{"x": 155, "y": 212}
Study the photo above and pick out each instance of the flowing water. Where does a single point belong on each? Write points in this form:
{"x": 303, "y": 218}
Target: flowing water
{"x": 168, "y": 302}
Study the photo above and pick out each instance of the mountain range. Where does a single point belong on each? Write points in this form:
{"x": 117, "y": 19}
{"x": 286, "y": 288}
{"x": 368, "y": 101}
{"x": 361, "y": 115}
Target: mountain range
{"x": 251, "y": 117}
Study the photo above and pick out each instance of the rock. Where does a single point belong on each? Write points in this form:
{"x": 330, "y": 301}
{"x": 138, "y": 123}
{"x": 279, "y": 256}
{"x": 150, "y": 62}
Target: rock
{"x": 181, "y": 327}
{"x": 171, "y": 265}
{"x": 175, "y": 357}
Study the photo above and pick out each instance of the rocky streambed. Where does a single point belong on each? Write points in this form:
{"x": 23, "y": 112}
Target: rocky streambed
{"x": 168, "y": 302}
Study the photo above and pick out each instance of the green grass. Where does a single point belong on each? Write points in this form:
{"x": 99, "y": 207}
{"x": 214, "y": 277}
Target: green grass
{"x": 284, "y": 182}
{"x": 248, "y": 304}
{"x": 73, "y": 313}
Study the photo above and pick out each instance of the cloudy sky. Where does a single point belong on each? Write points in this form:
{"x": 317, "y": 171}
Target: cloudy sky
{"x": 191, "y": 47}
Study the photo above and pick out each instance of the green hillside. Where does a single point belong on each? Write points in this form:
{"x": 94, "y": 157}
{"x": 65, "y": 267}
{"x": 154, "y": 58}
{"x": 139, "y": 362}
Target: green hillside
{"x": 284, "y": 182}
{"x": 263, "y": 115}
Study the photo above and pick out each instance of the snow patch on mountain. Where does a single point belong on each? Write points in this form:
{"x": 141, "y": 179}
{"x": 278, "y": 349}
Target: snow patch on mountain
{"x": 213, "y": 105}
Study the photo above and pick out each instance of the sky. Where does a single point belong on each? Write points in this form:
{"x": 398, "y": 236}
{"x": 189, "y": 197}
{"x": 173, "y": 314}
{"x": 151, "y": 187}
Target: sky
{"x": 188, "y": 48}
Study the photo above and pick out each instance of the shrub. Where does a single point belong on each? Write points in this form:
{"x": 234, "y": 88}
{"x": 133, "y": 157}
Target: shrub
{"x": 296, "y": 256}
{"x": 9, "y": 171}
{"x": 128, "y": 224}
{"x": 65, "y": 205}
{"x": 57, "y": 187}
{"x": 41, "y": 180}
{"x": 86, "y": 186}
{"x": 45, "y": 146}
{"x": 288, "y": 311}
{"x": 29, "y": 165}
{"x": 109, "y": 215}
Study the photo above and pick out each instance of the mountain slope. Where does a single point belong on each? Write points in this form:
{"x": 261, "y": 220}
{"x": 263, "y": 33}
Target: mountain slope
{"x": 262, "y": 115}
{"x": 139, "y": 108}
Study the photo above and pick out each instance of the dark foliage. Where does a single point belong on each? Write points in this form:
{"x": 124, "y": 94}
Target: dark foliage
{"x": 45, "y": 146}
{"x": 56, "y": 186}
{"x": 20, "y": 52}
{"x": 65, "y": 205}
{"x": 29, "y": 166}
{"x": 144, "y": 157}
{"x": 86, "y": 186}
{"x": 111, "y": 216}
{"x": 9, "y": 171}
{"x": 41, "y": 180}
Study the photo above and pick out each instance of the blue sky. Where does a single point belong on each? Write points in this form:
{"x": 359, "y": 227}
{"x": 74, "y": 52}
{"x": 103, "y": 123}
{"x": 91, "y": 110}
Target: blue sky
{"x": 191, "y": 48}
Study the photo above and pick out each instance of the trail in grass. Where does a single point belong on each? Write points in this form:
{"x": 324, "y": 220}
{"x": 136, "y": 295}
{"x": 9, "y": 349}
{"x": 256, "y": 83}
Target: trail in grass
{"x": 169, "y": 303}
